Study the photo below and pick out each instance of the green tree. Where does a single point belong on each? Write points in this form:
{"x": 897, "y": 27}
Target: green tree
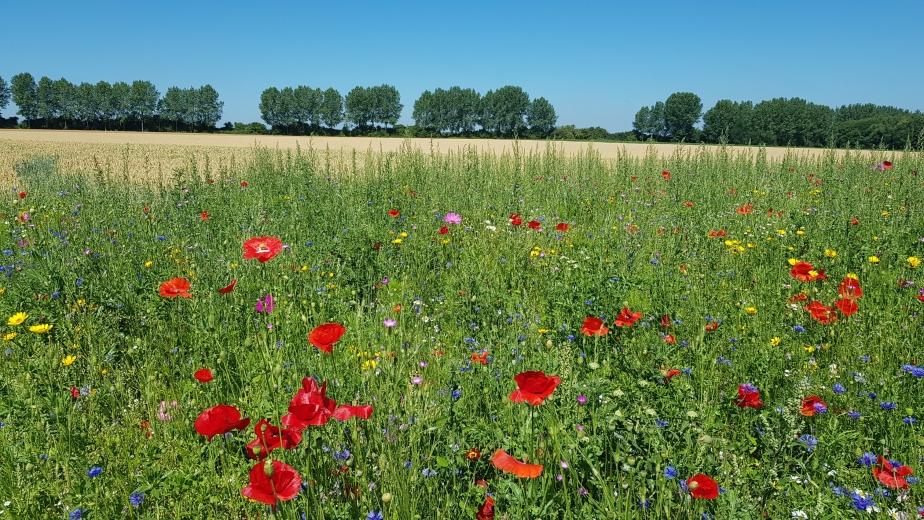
{"x": 649, "y": 122}
{"x": 307, "y": 105}
{"x": 268, "y": 106}
{"x": 729, "y": 121}
{"x": 360, "y": 109}
{"x": 541, "y": 117}
{"x": 4, "y": 95}
{"x": 173, "y": 106}
{"x": 504, "y": 111}
{"x": 424, "y": 113}
{"x": 121, "y": 102}
{"x": 85, "y": 104}
{"x": 47, "y": 101}
{"x": 465, "y": 109}
{"x": 104, "y": 103}
{"x": 386, "y": 105}
{"x": 143, "y": 100}
{"x": 65, "y": 95}
{"x": 682, "y": 110}
{"x": 208, "y": 107}
{"x": 25, "y": 95}
{"x": 330, "y": 111}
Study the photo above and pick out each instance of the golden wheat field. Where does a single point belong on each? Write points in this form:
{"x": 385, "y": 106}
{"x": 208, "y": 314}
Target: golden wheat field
{"x": 150, "y": 156}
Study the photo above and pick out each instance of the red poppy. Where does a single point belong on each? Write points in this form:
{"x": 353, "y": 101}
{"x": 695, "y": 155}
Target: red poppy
{"x": 269, "y": 438}
{"x": 806, "y": 272}
{"x": 262, "y": 248}
{"x": 75, "y": 393}
{"x": 593, "y": 326}
{"x": 443, "y": 230}
{"x": 312, "y": 407}
{"x": 812, "y": 405}
{"x": 533, "y": 387}
{"x": 204, "y": 216}
{"x": 22, "y": 195}
{"x": 748, "y": 397}
{"x": 506, "y": 463}
{"x": 146, "y": 209}
{"x": 669, "y": 373}
{"x": 203, "y": 375}
{"x": 325, "y": 335}
{"x": 798, "y": 297}
{"x": 535, "y": 225}
{"x": 717, "y": 233}
{"x": 891, "y": 474}
{"x": 886, "y": 165}
{"x": 712, "y": 326}
{"x": 666, "y": 175}
{"x": 562, "y": 226}
{"x": 486, "y": 511}
{"x": 920, "y": 298}
{"x": 393, "y": 213}
{"x": 516, "y": 219}
{"x": 219, "y": 420}
{"x": 627, "y": 318}
{"x": 669, "y": 339}
{"x": 272, "y": 482}
{"x": 703, "y": 487}
{"x": 850, "y": 288}
{"x": 666, "y": 321}
{"x": 847, "y": 306}
{"x": 175, "y": 287}
{"x": 689, "y": 203}
{"x": 228, "y": 288}
{"x": 821, "y": 313}
{"x": 854, "y": 221}
{"x": 745, "y": 209}
{"x": 480, "y": 358}
{"x": 244, "y": 184}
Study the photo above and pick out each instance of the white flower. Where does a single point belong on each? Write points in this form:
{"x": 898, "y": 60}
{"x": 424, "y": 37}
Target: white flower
{"x": 800, "y": 514}
{"x": 492, "y": 229}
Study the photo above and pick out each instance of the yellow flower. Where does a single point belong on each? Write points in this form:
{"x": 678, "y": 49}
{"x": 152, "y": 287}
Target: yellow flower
{"x": 397, "y": 241}
{"x": 41, "y": 328}
{"x": 874, "y": 259}
{"x": 445, "y": 241}
{"x": 775, "y": 341}
{"x": 9, "y": 336}
{"x": 886, "y": 214}
{"x": 68, "y": 360}
{"x": 543, "y": 331}
{"x": 17, "y": 319}
{"x": 913, "y": 261}
{"x": 2, "y": 291}
{"x": 853, "y": 276}
{"x": 148, "y": 264}
{"x": 403, "y": 234}
{"x": 830, "y": 253}
{"x": 370, "y": 364}
{"x": 793, "y": 261}
{"x": 800, "y": 232}
{"x": 781, "y": 232}
{"x": 750, "y": 311}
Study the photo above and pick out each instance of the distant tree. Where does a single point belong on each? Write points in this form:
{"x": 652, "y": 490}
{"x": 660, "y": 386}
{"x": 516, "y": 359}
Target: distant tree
{"x": 143, "y": 100}
{"x": 424, "y": 114}
{"x": 47, "y": 102}
{"x": 307, "y": 104}
{"x": 386, "y": 105}
{"x": 286, "y": 110}
{"x": 104, "y": 103}
{"x": 729, "y": 121}
{"x": 792, "y": 122}
{"x": 649, "y": 122}
{"x": 25, "y": 95}
{"x": 208, "y": 107}
{"x": 65, "y": 96}
{"x": 4, "y": 95}
{"x": 465, "y": 109}
{"x": 121, "y": 102}
{"x": 541, "y": 117}
{"x": 330, "y": 110}
{"x": 173, "y": 106}
{"x": 360, "y": 109}
{"x": 268, "y": 106}
{"x": 85, "y": 104}
{"x": 682, "y": 110}
{"x": 504, "y": 110}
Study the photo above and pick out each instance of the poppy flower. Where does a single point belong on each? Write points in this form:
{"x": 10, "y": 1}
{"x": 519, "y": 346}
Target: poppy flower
{"x": 847, "y": 306}
{"x": 534, "y": 225}
{"x": 228, "y": 288}
{"x": 22, "y": 195}
{"x": 562, "y": 226}
{"x": 666, "y": 175}
{"x": 850, "y": 288}
{"x": 812, "y": 405}
{"x": 75, "y": 393}
{"x": 269, "y": 438}
{"x": 244, "y": 184}
{"x": 748, "y": 397}
{"x": 745, "y": 209}
{"x": 393, "y": 213}
{"x": 272, "y": 482}
{"x": 593, "y": 326}
{"x": 486, "y": 511}
{"x": 806, "y": 272}
{"x": 175, "y": 287}
{"x": 480, "y": 358}
{"x": 219, "y": 420}
{"x": 884, "y": 166}
{"x": 204, "y": 216}
{"x": 703, "y": 487}
{"x": 712, "y": 326}
{"x": 203, "y": 375}
{"x": 666, "y": 321}
{"x": 533, "y": 387}
{"x": 689, "y": 203}
{"x": 516, "y": 219}
{"x": 892, "y": 474}
{"x": 262, "y": 248}
{"x": 473, "y": 454}
{"x": 717, "y": 233}
{"x": 312, "y": 407}
{"x": 821, "y": 313}
{"x": 325, "y": 335}
{"x": 443, "y": 230}
{"x": 669, "y": 373}
{"x": 669, "y": 339}
{"x": 854, "y": 221}
{"x": 627, "y": 318}
{"x": 798, "y": 297}
{"x": 506, "y": 463}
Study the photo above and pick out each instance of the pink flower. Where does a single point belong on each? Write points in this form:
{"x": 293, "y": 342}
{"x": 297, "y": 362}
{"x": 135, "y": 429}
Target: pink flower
{"x": 452, "y": 218}
{"x": 389, "y": 322}
{"x": 266, "y": 304}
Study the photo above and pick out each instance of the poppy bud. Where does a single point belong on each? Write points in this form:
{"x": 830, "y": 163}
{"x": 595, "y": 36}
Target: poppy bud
{"x": 386, "y": 498}
{"x": 268, "y": 468}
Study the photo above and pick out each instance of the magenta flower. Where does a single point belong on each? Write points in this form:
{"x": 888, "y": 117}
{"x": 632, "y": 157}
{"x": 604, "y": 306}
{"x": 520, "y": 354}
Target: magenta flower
{"x": 452, "y": 218}
{"x": 389, "y": 322}
{"x": 266, "y": 304}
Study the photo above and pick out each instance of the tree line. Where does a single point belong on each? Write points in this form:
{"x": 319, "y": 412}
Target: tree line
{"x": 60, "y": 103}
{"x": 779, "y": 122}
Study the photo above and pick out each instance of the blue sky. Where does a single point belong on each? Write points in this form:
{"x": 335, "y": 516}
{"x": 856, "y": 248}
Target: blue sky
{"x": 597, "y": 62}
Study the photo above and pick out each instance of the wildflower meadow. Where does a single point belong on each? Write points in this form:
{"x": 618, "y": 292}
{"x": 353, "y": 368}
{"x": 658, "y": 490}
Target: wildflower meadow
{"x": 468, "y": 335}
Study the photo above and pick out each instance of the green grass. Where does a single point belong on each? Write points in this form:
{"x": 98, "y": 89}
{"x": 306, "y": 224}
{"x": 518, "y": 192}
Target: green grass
{"x": 79, "y": 263}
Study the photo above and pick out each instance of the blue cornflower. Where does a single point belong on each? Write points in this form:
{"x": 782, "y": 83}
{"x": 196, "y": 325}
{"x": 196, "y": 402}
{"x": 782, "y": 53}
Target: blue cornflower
{"x": 342, "y": 455}
{"x": 687, "y": 371}
{"x": 886, "y": 405}
{"x": 861, "y": 502}
{"x": 915, "y": 371}
{"x": 375, "y": 515}
{"x": 909, "y": 420}
{"x": 683, "y": 486}
{"x": 427, "y": 472}
{"x": 867, "y": 459}
{"x": 864, "y": 358}
{"x": 838, "y": 388}
{"x": 670, "y": 472}
{"x": 76, "y": 514}
{"x": 136, "y": 499}
{"x": 798, "y": 328}
{"x": 661, "y": 423}
{"x": 809, "y": 441}
{"x": 94, "y": 471}
{"x": 855, "y": 415}
{"x": 456, "y": 394}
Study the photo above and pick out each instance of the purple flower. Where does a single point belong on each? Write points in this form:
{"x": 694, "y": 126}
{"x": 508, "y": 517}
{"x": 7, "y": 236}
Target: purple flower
{"x": 838, "y": 388}
{"x": 452, "y": 218}
{"x": 809, "y": 441}
{"x": 670, "y": 472}
{"x": 855, "y": 415}
{"x": 389, "y": 322}
{"x": 887, "y": 406}
{"x": 582, "y": 399}
{"x": 136, "y": 499}
{"x": 95, "y": 471}
{"x": 915, "y": 371}
{"x": 266, "y": 304}
{"x": 909, "y": 420}
{"x": 867, "y": 459}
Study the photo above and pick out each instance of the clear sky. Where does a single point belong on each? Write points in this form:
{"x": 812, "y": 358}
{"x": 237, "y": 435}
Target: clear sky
{"x": 597, "y": 62}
